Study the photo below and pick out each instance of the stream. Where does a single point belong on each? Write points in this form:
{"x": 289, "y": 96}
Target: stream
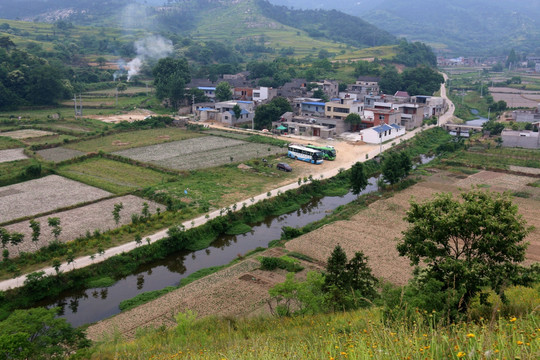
{"x": 91, "y": 305}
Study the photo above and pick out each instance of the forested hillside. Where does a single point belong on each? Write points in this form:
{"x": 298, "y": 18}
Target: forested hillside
{"x": 460, "y": 27}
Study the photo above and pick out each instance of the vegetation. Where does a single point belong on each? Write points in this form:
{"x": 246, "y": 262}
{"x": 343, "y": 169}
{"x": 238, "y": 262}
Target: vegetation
{"x": 466, "y": 246}
{"x": 265, "y": 114}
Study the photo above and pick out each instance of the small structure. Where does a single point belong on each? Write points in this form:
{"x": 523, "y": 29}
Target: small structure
{"x": 524, "y": 139}
{"x": 382, "y": 133}
{"x": 526, "y": 115}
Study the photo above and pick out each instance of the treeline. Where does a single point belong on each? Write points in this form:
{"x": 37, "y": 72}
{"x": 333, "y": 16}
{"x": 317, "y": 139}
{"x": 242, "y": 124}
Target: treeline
{"x": 29, "y": 80}
{"x": 333, "y": 25}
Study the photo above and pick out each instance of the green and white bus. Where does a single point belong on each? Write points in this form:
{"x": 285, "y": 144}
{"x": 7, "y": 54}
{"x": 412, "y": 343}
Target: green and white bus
{"x": 329, "y": 153}
{"x": 300, "y": 152}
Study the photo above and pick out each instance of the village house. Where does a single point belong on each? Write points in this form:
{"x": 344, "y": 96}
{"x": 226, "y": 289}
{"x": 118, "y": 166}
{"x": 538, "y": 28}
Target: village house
{"x": 382, "y": 133}
{"x": 365, "y": 85}
{"x": 341, "y": 108}
{"x": 311, "y": 126}
{"x": 412, "y": 115}
{"x": 263, "y": 94}
{"x": 378, "y": 116}
{"x": 225, "y": 113}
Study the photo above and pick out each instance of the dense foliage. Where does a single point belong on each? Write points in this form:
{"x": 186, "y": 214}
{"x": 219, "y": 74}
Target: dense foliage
{"x": 421, "y": 80}
{"x": 29, "y": 80}
{"x": 332, "y": 24}
{"x": 466, "y": 244}
{"x": 414, "y": 54}
{"x": 170, "y": 79}
{"x": 265, "y": 114}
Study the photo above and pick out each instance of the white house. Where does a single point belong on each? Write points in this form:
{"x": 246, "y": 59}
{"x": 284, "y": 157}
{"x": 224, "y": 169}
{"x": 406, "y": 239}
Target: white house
{"x": 381, "y": 133}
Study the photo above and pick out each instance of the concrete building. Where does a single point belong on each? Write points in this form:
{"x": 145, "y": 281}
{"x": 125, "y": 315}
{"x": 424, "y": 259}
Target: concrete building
{"x": 340, "y": 108}
{"x": 378, "y": 116}
{"x": 382, "y": 133}
{"x": 365, "y": 85}
{"x": 526, "y": 115}
{"x": 524, "y": 139}
{"x": 226, "y": 114}
{"x": 412, "y": 115}
{"x": 263, "y": 94}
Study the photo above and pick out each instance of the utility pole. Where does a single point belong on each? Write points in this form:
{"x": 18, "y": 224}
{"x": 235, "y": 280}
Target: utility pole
{"x": 78, "y": 106}
{"x": 489, "y": 112}
{"x": 117, "y": 96}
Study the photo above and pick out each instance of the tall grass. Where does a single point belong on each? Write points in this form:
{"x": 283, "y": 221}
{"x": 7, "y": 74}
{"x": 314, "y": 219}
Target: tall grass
{"x": 354, "y": 335}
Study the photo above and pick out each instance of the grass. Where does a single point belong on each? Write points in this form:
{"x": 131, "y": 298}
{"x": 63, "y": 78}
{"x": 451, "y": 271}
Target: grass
{"x": 133, "y": 139}
{"x": 361, "y": 334}
{"x": 238, "y": 229}
{"x": 224, "y": 185}
{"x": 101, "y": 282}
{"x": 493, "y": 158}
{"x": 9, "y": 143}
{"x": 113, "y": 176}
{"x": 12, "y": 172}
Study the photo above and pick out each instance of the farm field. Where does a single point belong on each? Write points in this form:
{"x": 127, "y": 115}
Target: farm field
{"x": 199, "y": 153}
{"x": 11, "y": 170}
{"x": 77, "y": 222}
{"x": 225, "y": 185}
{"x": 368, "y": 231}
{"x": 58, "y": 154}
{"x": 26, "y": 134}
{"x": 133, "y": 139}
{"x": 501, "y": 158}
{"x": 43, "y": 195}
{"x": 12, "y": 155}
{"x": 9, "y": 143}
{"x": 113, "y": 176}
{"x": 515, "y": 97}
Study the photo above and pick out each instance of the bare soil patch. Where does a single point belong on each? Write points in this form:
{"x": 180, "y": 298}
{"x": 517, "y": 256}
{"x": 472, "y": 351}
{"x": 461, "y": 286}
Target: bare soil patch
{"x": 12, "y": 155}
{"x": 59, "y": 154}
{"x": 76, "y": 222}
{"x": 44, "y": 195}
{"x": 131, "y": 116}
{"x": 27, "y": 134}
{"x": 119, "y": 143}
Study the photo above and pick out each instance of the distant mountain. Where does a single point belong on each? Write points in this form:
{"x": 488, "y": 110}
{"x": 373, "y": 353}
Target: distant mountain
{"x": 231, "y": 21}
{"x": 457, "y": 27}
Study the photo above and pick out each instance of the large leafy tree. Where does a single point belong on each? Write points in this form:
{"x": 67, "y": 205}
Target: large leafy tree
{"x": 38, "y": 334}
{"x": 466, "y": 243}
{"x": 223, "y": 91}
{"x": 170, "y": 79}
{"x": 396, "y": 167}
{"x": 354, "y": 120}
{"x": 359, "y": 179}
{"x": 265, "y": 114}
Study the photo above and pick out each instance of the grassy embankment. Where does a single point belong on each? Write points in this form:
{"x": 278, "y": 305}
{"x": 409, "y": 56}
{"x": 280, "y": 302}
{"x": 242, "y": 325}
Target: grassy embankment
{"x": 361, "y": 334}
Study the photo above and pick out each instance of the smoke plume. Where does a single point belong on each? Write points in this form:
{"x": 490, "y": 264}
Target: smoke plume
{"x": 150, "y": 48}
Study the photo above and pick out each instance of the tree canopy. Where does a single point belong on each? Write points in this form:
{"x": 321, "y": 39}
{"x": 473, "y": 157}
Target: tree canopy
{"x": 466, "y": 243}
{"x": 223, "y": 91}
{"x": 170, "y": 79}
{"x": 265, "y": 114}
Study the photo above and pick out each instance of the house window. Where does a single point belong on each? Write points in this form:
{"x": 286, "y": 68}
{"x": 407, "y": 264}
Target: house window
{"x": 328, "y": 108}
{"x": 256, "y": 94}
{"x": 381, "y": 117}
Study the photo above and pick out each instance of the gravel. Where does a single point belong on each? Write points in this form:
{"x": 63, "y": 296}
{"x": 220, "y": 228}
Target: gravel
{"x": 26, "y": 134}
{"x": 12, "y": 155}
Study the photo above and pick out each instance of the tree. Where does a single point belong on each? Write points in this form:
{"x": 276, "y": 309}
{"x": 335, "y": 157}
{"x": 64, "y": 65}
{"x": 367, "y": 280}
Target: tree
{"x": 466, "y": 243}
{"x": 265, "y": 114}
{"x": 237, "y": 111}
{"x": 36, "y": 230}
{"x": 354, "y": 120}
{"x": 359, "y": 179}
{"x": 56, "y": 230}
{"x": 320, "y": 94}
{"x": 223, "y": 91}
{"x": 38, "y": 334}
{"x": 395, "y": 167}
{"x": 390, "y": 80}
{"x": 494, "y": 128}
{"x": 6, "y": 42}
{"x": 101, "y": 61}
{"x": 116, "y": 212}
{"x": 170, "y": 79}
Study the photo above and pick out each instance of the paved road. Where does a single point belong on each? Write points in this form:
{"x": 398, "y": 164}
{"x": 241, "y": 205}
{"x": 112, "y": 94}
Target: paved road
{"x": 89, "y": 260}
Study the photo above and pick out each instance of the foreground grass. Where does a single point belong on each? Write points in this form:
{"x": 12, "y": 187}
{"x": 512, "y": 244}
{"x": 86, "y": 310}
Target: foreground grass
{"x": 132, "y": 139}
{"x": 354, "y": 335}
{"x": 113, "y": 176}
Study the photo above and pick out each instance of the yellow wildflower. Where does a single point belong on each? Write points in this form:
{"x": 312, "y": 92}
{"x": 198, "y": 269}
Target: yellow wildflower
{"x": 513, "y": 319}
{"x": 461, "y": 354}
{"x": 470, "y": 335}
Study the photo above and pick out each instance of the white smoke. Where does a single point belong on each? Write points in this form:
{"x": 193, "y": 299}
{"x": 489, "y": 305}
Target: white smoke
{"x": 150, "y": 48}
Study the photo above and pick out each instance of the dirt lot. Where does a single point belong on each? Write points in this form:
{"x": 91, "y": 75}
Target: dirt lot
{"x": 12, "y": 155}
{"x": 43, "y": 195}
{"x": 77, "y": 222}
{"x": 135, "y": 115}
{"x": 242, "y": 290}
